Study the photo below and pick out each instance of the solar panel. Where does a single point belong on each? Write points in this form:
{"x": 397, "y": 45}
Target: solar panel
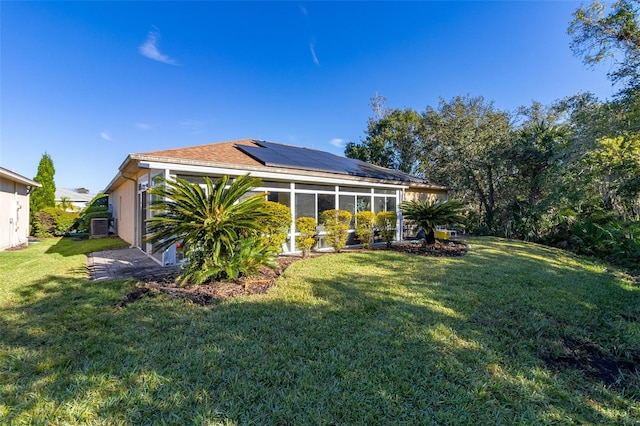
{"x": 278, "y": 155}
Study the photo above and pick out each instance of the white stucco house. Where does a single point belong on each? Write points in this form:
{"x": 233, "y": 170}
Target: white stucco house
{"x": 308, "y": 181}
{"x": 14, "y": 208}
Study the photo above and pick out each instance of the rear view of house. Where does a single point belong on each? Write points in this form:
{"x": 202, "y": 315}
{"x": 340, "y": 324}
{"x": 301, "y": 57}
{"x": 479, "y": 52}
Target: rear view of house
{"x": 306, "y": 180}
{"x": 14, "y": 208}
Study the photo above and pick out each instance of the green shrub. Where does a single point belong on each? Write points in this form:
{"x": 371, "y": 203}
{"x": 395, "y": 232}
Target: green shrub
{"x": 386, "y": 222}
{"x": 306, "y": 227}
{"x": 275, "y": 227}
{"x": 52, "y": 221}
{"x": 336, "y": 224}
{"x": 365, "y": 227}
{"x": 97, "y": 208}
{"x": 219, "y": 227}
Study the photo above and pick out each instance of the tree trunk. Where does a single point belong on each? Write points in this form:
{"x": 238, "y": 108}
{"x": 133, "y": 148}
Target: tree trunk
{"x": 430, "y": 237}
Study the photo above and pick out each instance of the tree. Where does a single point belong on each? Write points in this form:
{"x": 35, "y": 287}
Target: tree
{"x": 430, "y": 214}
{"x": 536, "y": 156}
{"x": 614, "y": 174}
{"x": 598, "y": 35}
{"x": 219, "y": 227}
{"x": 45, "y": 195}
{"x": 392, "y": 139}
{"x": 464, "y": 142}
{"x": 66, "y": 203}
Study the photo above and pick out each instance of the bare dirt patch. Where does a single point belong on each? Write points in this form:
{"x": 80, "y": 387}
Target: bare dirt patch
{"x": 206, "y": 294}
{"x": 594, "y": 361}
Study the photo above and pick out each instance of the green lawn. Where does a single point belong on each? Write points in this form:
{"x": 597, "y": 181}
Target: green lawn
{"x": 357, "y": 338}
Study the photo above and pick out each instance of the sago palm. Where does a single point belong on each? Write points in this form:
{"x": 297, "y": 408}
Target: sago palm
{"x": 429, "y": 214}
{"x": 210, "y": 223}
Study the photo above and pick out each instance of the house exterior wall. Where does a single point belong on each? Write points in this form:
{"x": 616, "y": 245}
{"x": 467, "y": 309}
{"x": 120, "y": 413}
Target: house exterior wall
{"x": 14, "y": 213}
{"x": 414, "y": 194}
{"x": 123, "y": 204}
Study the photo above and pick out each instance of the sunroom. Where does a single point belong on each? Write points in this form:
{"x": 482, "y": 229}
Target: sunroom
{"x": 308, "y": 181}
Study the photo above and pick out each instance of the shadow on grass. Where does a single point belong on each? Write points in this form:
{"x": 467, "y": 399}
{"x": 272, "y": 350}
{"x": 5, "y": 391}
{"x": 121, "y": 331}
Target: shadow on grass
{"x": 69, "y": 246}
{"x": 415, "y": 347}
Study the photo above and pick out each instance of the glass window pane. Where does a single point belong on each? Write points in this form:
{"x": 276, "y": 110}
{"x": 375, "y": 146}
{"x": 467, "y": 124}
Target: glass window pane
{"x": 359, "y": 189}
{"x": 378, "y": 204}
{"x": 391, "y": 204}
{"x": 326, "y": 202}
{"x": 280, "y": 197}
{"x": 348, "y": 203}
{"x": 363, "y": 203}
{"x": 306, "y": 205}
{"x": 315, "y": 187}
{"x": 273, "y": 184}
{"x": 385, "y": 191}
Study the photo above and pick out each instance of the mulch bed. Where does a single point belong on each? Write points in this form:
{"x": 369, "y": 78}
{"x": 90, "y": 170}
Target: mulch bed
{"x": 206, "y": 294}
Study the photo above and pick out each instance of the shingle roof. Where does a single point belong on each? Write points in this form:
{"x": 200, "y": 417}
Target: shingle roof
{"x": 222, "y": 152}
{"x": 255, "y": 155}
{"x": 73, "y": 195}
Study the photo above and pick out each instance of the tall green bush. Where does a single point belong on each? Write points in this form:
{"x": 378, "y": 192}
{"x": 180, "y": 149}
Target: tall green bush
{"x": 336, "y": 224}
{"x": 386, "y": 222}
{"x": 365, "y": 227}
{"x": 275, "y": 226}
{"x": 52, "y": 221}
{"x": 306, "y": 230}
{"x": 43, "y": 196}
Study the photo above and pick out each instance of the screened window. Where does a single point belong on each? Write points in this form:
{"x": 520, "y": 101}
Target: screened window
{"x": 363, "y": 203}
{"x": 305, "y": 205}
{"x": 280, "y": 197}
{"x": 326, "y": 202}
{"x": 311, "y": 187}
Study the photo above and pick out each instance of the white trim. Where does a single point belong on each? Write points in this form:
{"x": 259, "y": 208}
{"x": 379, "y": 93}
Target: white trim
{"x": 207, "y": 170}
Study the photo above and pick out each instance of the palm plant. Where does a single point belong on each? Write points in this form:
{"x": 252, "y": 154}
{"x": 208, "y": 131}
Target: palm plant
{"x": 429, "y": 214}
{"x": 211, "y": 224}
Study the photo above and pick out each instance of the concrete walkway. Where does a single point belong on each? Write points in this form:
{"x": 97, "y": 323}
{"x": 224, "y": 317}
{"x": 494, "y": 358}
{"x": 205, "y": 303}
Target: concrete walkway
{"x": 126, "y": 263}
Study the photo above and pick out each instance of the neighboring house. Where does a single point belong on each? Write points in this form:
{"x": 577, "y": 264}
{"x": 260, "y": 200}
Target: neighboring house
{"x": 306, "y": 180}
{"x": 14, "y": 208}
{"x": 78, "y": 199}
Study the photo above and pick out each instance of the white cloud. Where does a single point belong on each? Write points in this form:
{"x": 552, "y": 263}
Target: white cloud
{"x": 313, "y": 54}
{"x": 105, "y": 136}
{"x": 337, "y": 142}
{"x": 150, "y": 50}
{"x": 143, "y": 126}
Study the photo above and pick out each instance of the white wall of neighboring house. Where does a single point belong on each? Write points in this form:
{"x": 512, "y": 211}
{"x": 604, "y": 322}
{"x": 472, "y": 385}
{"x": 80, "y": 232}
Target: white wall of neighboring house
{"x": 14, "y": 209}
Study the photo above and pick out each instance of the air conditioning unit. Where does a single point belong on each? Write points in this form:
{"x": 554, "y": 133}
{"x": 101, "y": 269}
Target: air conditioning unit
{"x": 99, "y": 227}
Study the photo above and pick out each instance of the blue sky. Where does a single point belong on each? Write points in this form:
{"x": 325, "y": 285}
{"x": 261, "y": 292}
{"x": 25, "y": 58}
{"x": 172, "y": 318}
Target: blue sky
{"x": 90, "y": 82}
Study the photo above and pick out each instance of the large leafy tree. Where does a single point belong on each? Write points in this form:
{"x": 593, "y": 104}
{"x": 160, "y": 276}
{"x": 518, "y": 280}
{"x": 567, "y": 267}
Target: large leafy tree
{"x": 219, "y": 226}
{"x": 601, "y": 32}
{"x": 536, "y": 155}
{"x": 464, "y": 142}
{"x": 392, "y": 138}
{"x": 430, "y": 214}
{"x": 613, "y": 172}
{"x": 45, "y": 195}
